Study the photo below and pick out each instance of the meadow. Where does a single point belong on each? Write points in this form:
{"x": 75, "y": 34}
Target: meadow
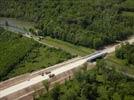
{"x": 128, "y": 4}
{"x": 68, "y": 47}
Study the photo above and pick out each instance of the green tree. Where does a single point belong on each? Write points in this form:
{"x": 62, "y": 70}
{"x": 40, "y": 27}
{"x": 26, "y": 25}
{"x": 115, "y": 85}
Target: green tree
{"x": 56, "y": 92}
{"x": 89, "y": 91}
{"x": 46, "y": 84}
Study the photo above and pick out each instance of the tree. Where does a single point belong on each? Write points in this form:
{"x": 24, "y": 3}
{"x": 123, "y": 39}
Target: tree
{"x": 46, "y": 84}
{"x": 72, "y": 22}
{"x": 126, "y": 51}
{"x": 84, "y": 67}
{"x": 79, "y": 76}
{"x": 89, "y": 91}
{"x": 97, "y": 43}
{"x": 122, "y": 93}
{"x": 100, "y": 65}
{"x": 71, "y": 94}
{"x": 110, "y": 93}
{"x": 120, "y": 53}
{"x": 56, "y": 92}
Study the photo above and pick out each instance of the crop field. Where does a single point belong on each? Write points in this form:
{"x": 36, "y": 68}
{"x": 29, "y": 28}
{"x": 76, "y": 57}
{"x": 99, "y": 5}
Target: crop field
{"x": 19, "y": 55}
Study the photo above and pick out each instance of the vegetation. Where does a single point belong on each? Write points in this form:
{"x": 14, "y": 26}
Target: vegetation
{"x": 101, "y": 83}
{"x": 126, "y": 51}
{"x": 109, "y": 81}
{"x": 90, "y": 23}
{"x": 40, "y": 57}
{"x": 128, "y": 14}
{"x": 122, "y": 58}
{"x": 13, "y": 48}
{"x": 128, "y": 5}
{"x": 19, "y": 55}
{"x": 46, "y": 85}
{"x": 127, "y": 8}
{"x": 68, "y": 47}
{"x": 120, "y": 65}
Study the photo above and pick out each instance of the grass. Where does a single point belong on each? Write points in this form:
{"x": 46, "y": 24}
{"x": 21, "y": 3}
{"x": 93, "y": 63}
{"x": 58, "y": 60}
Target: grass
{"x": 128, "y": 4}
{"x": 68, "y": 47}
{"x": 19, "y": 55}
{"x": 39, "y": 58}
{"x": 120, "y": 64}
{"x": 13, "y": 48}
{"x": 128, "y": 14}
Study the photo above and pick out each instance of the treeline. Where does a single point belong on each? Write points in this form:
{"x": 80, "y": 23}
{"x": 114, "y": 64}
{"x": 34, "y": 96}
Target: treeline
{"x": 126, "y": 52}
{"x": 102, "y": 83}
{"x": 91, "y": 23}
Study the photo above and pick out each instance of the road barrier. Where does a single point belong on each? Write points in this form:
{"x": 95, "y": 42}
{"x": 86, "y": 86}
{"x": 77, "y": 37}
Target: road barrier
{"x": 16, "y": 80}
{"x": 33, "y": 90}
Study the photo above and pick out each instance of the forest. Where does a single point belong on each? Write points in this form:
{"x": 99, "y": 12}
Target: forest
{"x": 100, "y": 83}
{"x": 90, "y": 23}
{"x": 126, "y": 52}
{"x": 20, "y": 55}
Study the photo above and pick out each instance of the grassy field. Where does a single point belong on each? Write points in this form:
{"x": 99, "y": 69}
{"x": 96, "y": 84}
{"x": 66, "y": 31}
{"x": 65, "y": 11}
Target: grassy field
{"x": 128, "y": 4}
{"x": 120, "y": 64}
{"x": 39, "y": 58}
{"x": 68, "y": 47}
{"x": 19, "y": 55}
{"x": 128, "y": 14}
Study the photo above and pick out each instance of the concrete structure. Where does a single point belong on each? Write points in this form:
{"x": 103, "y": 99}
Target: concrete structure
{"x": 99, "y": 54}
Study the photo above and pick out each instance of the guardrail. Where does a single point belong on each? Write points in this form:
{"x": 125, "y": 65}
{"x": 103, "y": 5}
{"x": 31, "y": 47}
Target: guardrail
{"x": 24, "y": 77}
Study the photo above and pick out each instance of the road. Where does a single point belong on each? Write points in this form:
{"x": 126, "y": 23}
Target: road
{"x": 57, "y": 71}
{"x": 110, "y": 49}
{"x": 40, "y": 78}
